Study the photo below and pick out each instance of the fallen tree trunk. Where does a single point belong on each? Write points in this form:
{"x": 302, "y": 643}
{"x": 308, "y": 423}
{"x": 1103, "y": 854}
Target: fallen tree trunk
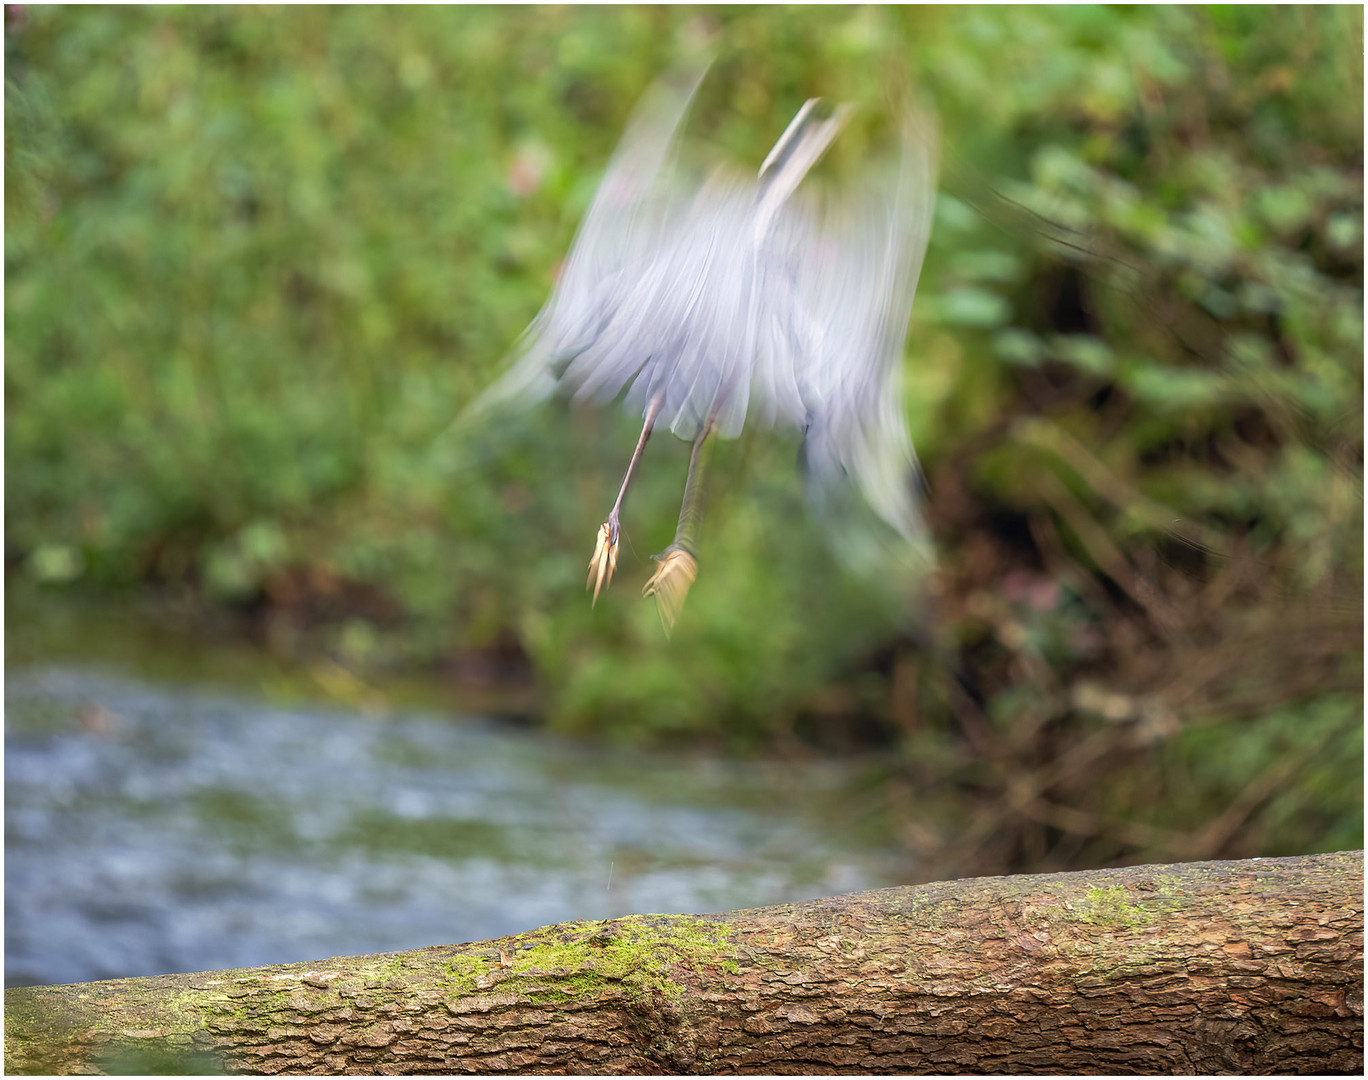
{"x": 1249, "y": 967}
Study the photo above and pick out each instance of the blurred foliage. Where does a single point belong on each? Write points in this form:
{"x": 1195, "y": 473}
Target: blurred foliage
{"x": 259, "y": 260}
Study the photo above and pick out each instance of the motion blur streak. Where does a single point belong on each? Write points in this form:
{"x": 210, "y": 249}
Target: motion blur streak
{"x": 708, "y": 301}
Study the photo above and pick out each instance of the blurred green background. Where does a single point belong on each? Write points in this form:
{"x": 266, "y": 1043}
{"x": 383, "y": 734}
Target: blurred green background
{"x": 259, "y": 260}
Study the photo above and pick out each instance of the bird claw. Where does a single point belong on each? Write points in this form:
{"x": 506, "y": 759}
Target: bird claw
{"x": 670, "y": 584}
{"x": 604, "y": 562}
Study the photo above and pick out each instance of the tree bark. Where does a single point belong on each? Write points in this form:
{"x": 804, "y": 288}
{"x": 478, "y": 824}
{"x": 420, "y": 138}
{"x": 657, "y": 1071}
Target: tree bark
{"x": 1218, "y": 967}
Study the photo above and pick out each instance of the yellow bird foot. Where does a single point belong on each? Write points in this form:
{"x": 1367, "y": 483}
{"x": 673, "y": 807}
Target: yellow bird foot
{"x": 604, "y": 562}
{"x": 670, "y": 584}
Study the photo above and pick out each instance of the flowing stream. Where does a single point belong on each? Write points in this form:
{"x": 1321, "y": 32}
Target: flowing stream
{"x": 155, "y": 828}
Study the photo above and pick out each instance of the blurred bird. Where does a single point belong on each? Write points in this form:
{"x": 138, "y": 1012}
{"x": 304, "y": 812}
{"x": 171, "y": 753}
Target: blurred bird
{"x": 711, "y": 302}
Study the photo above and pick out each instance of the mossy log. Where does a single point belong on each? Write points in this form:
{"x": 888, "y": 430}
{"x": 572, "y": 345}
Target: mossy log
{"x": 1218, "y": 967}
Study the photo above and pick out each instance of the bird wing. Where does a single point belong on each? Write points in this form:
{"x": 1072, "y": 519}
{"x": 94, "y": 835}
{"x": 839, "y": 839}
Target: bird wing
{"x": 613, "y": 255}
{"x": 855, "y": 290}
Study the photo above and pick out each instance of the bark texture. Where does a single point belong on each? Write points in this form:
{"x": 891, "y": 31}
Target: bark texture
{"x": 1218, "y": 967}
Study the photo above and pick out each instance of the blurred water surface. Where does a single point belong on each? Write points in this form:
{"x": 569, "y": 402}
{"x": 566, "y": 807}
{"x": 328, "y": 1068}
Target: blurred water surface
{"x": 154, "y": 829}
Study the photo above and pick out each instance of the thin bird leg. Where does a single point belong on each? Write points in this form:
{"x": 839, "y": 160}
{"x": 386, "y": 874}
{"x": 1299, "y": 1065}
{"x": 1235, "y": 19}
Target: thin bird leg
{"x": 604, "y": 562}
{"x": 678, "y": 564}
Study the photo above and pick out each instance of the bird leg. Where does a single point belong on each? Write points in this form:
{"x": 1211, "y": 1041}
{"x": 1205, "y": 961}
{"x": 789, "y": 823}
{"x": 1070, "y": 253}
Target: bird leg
{"x": 604, "y": 562}
{"x": 678, "y": 565}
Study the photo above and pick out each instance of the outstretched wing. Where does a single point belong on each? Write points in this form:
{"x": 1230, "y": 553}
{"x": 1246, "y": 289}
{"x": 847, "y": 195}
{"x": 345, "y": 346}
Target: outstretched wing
{"x": 618, "y": 242}
{"x": 857, "y": 288}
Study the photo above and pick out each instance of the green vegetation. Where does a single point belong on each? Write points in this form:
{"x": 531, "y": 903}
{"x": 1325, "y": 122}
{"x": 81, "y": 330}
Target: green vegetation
{"x": 259, "y": 260}
{"x": 636, "y": 956}
{"x": 1113, "y": 907}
